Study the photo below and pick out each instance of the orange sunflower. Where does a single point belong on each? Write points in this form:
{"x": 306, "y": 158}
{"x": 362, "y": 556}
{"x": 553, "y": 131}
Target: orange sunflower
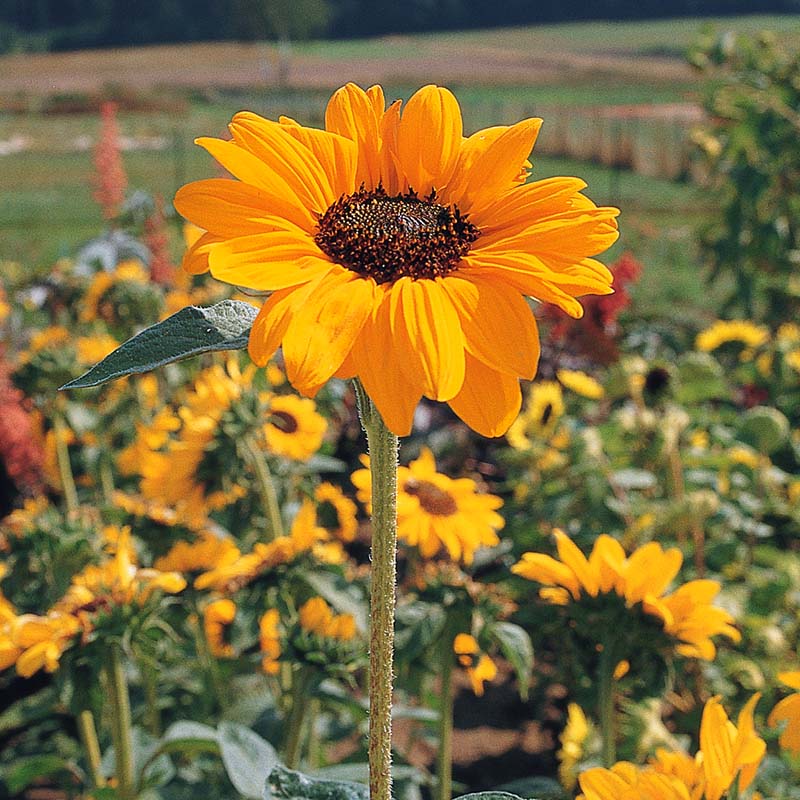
{"x": 398, "y": 251}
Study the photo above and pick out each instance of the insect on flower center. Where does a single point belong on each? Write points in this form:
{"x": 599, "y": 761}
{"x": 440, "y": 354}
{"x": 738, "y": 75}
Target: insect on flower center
{"x": 434, "y": 500}
{"x": 389, "y": 237}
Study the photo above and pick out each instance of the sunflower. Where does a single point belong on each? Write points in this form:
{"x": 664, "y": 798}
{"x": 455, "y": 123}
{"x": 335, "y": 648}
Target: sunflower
{"x": 218, "y": 617}
{"x": 723, "y": 331}
{"x": 434, "y": 511}
{"x": 788, "y": 711}
{"x": 726, "y": 751}
{"x": 397, "y": 250}
{"x": 317, "y": 617}
{"x": 540, "y": 418}
{"x": 205, "y": 552}
{"x": 336, "y": 512}
{"x": 293, "y": 428}
{"x": 687, "y": 614}
{"x": 580, "y": 383}
{"x": 270, "y": 641}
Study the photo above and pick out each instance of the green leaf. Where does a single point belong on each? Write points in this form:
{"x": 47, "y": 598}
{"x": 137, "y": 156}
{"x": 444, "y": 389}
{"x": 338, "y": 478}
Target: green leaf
{"x": 189, "y": 332}
{"x": 27, "y": 770}
{"x": 248, "y": 758}
{"x": 286, "y": 784}
{"x": 517, "y": 648}
{"x": 188, "y": 730}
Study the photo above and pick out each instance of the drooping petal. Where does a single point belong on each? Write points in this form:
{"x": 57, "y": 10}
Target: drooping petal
{"x": 195, "y": 259}
{"x": 395, "y": 391}
{"x": 572, "y": 556}
{"x": 489, "y": 400}
{"x": 428, "y": 138}
{"x": 428, "y": 332}
{"x": 272, "y": 322}
{"x": 499, "y": 327}
{"x": 322, "y": 332}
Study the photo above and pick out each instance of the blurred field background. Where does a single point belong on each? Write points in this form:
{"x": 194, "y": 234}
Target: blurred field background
{"x": 618, "y": 97}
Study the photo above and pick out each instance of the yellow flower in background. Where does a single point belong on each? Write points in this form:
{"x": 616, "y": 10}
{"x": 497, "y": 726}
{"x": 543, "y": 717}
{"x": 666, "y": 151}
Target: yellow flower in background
{"x": 793, "y": 360}
{"x": 788, "y": 711}
{"x": 5, "y": 308}
{"x": 92, "y": 349}
{"x": 435, "y": 511}
{"x": 397, "y": 250}
{"x": 542, "y": 413}
{"x": 131, "y": 271}
{"x": 33, "y": 642}
{"x": 723, "y": 331}
{"x": 687, "y": 614}
{"x": 45, "y": 339}
{"x": 729, "y": 750}
{"x": 580, "y": 383}
{"x": 625, "y": 781}
{"x": 270, "y": 641}
{"x": 572, "y": 740}
{"x": 206, "y": 551}
{"x": 480, "y": 668}
{"x": 317, "y": 617}
{"x": 788, "y": 333}
{"x": 336, "y": 512}
{"x": 293, "y": 428}
{"x": 218, "y": 616}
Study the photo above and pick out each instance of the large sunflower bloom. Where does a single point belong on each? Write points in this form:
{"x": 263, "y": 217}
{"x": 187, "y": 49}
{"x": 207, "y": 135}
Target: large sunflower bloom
{"x": 397, "y": 250}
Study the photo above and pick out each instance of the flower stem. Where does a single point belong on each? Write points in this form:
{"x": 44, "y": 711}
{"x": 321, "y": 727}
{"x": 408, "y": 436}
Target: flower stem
{"x": 266, "y": 487}
{"x": 605, "y": 704}
{"x": 88, "y": 735}
{"x": 296, "y": 721}
{"x": 383, "y": 446}
{"x": 121, "y": 720}
{"x": 444, "y": 786}
{"x": 64, "y": 467}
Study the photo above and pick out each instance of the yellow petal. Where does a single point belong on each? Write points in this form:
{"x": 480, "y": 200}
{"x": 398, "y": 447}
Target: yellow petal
{"x": 323, "y": 330}
{"x": 195, "y": 260}
{"x": 272, "y": 322}
{"x": 570, "y": 554}
{"x": 499, "y": 327}
{"x": 429, "y": 138}
{"x": 489, "y": 400}
{"x": 428, "y": 332}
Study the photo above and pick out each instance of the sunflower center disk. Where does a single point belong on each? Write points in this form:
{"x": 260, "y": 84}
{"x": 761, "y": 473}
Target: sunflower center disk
{"x": 387, "y": 238}
{"x": 285, "y": 422}
{"x": 434, "y": 500}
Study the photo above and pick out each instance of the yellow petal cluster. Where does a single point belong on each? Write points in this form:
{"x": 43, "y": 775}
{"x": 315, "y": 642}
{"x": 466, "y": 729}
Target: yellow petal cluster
{"x": 218, "y": 616}
{"x": 687, "y": 614}
{"x": 480, "y": 668}
{"x": 435, "y": 511}
{"x": 33, "y": 642}
{"x": 294, "y": 429}
{"x": 727, "y": 752}
{"x": 788, "y": 711}
{"x": 270, "y": 641}
{"x": 317, "y": 617}
{"x": 572, "y": 740}
{"x": 207, "y": 551}
{"x": 540, "y": 417}
{"x": 580, "y": 383}
{"x": 723, "y": 331}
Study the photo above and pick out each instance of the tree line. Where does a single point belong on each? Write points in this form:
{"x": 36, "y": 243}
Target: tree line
{"x": 73, "y": 24}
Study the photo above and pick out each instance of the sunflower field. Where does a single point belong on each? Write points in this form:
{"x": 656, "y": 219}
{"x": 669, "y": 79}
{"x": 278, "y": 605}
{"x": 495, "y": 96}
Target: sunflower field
{"x": 582, "y": 578}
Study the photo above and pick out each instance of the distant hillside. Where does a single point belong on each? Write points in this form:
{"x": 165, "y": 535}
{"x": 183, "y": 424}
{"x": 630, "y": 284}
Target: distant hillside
{"x": 41, "y": 25}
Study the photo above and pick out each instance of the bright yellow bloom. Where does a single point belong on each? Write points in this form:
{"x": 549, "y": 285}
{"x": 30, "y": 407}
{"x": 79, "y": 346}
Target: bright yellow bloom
{"x": 788, "y": 711}
{"x": 218, "y": 616}
{"x": 793, "y": 360}
{"x": 397, "y": 250}
{"x": 317, "y": 617}
{"x": 270, "y": 641}
{"x": 92, "y": 349}
{"x": 746, "y": 456}
{"x": 723, "y": 331}
{"x": 293, "y": 428}
{"x": 335, "y": 512}
{"x": 480, "y": 668}
{"x": 205, "y": 552}
{"x": 729, "y": 750}
{"x": 434, "y": 511}
{"x": 680, "y": 765}
{"x": 542, "y": 413}
{"x": 572, "y": 739}
{"x": 625, "y": 781}
{"x": 580, "y": 383}
{"x": 44, "y": 339}
{"x": 643, "y": 577}
{"x": 788, "y": 333}
{"x": 35, "y": 642}
{"x": 126, "y": 272}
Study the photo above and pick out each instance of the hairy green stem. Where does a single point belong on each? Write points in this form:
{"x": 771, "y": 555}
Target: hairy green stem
{"x": 605, "y": 707}
{"x": 266, "y": 487}
{"x": 91, "y": 747}
{"x": 64, "y": 467}
{"x": 121, "y": 720}
{"x": 444, "y": 786}
{"x": 383, "y": 446}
